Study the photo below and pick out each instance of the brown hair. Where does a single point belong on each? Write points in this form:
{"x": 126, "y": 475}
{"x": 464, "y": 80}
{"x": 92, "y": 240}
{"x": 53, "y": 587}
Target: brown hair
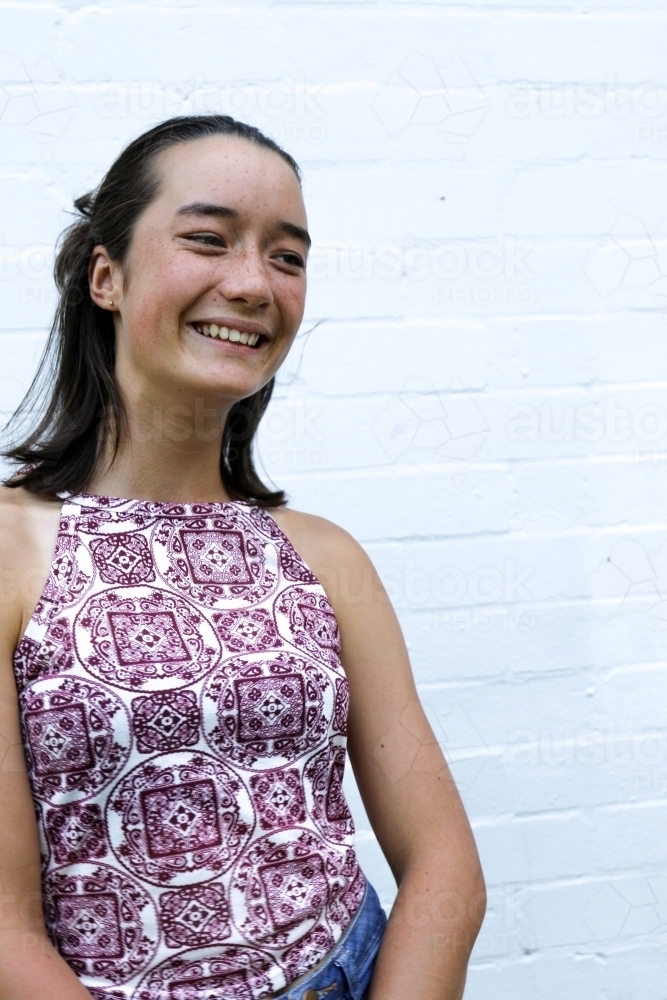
{"x": 76, "y": 374}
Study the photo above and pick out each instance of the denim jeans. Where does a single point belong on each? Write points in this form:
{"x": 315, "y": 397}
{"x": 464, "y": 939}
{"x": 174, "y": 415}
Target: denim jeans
{"x": 347, "y": 973}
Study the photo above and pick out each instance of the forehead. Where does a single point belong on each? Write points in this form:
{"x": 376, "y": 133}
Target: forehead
{"x": 229, "y": 171}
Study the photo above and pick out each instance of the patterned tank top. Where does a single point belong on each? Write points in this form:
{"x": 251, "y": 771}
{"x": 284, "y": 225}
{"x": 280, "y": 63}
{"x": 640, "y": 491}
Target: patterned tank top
{"x": 184, "y": 712}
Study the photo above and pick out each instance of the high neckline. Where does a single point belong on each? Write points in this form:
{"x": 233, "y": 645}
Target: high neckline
{"x": 106, "y": 502}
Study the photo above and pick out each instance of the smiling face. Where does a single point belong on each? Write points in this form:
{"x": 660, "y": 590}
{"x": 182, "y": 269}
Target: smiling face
{"x": 212, "y": 292}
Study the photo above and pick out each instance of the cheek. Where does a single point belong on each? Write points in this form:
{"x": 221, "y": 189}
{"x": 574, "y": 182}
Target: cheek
{"x": 290, "y": 296}
{"x": 160, "y": 288}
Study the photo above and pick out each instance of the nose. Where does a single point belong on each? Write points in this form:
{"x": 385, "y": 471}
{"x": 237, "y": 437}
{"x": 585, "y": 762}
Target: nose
{"x": 245, "y": 279}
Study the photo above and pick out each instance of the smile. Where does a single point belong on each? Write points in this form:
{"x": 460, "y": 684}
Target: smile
{"x": 228, "y": 333}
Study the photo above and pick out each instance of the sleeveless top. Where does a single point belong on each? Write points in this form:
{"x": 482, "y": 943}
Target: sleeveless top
{"x": 184, "y": 714}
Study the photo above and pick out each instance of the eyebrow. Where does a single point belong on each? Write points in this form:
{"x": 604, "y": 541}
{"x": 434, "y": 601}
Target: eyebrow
{"x": 204, "y": 208}
{"x": 296, "y": 231}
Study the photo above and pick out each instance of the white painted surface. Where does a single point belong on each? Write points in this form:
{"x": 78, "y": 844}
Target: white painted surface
{"x": 482, "y": 402}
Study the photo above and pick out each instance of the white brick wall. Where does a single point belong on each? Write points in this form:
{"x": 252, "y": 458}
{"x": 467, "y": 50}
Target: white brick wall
{"x": 482, "y": 400}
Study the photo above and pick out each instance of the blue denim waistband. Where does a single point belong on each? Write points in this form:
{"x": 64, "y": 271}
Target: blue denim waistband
{"x": 349, "y": 966}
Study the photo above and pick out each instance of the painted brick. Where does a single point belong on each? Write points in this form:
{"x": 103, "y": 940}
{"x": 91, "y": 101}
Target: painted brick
{"x": 495, "y": 259}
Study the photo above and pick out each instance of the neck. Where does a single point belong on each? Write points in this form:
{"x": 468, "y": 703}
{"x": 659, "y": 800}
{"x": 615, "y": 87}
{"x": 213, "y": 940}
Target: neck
{"x": 165, "y": 453}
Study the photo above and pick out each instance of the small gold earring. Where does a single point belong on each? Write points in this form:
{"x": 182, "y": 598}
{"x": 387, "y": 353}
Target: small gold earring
{"x": 111, "y": 302}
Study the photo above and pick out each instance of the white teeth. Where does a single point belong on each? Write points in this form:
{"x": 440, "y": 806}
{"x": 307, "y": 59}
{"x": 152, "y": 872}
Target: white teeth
{"x": 224, "y": 333}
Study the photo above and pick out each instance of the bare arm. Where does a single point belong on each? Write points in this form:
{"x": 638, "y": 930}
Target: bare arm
{"x": 30, "y": 967}
{"x": 407, "y": 789}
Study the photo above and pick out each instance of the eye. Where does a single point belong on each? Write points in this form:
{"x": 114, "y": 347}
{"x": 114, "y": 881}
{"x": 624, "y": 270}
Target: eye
{"x": 290, "y": 257}
{"x": 206, "y": 239}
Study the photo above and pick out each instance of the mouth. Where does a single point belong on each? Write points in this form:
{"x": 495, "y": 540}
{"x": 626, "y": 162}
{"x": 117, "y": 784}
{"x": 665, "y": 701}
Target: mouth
{"x": 239, "y": 333}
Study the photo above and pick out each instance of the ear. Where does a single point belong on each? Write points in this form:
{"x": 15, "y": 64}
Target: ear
{"x": 104, "y": 280}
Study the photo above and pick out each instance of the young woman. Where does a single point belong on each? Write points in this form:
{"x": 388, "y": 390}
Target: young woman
{"x": 178, "y": 647}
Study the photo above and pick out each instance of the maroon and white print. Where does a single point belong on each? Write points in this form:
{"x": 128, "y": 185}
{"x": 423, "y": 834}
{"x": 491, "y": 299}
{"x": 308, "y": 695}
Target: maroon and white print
{"x": 71, "y": 574}
{"x": 179, "y": 819}
{"x": 328, "y": 806}
{"x": 45, "y": 652}
{"x": 144, "y": 639}
{"x": 293, "y": 566}
{"x": 102, "y": 922}
{"x": 278, "y": 798}
{"x": 165, "y": 721}
{"x": 341, "y": 706}
{"x": 250, "y": 630}
{"x": 266, "y": 710}
{"x": 27, "y": 661}
{"x": 184, "y": 711}
{"x": 307, "y": 620}
{"x": 347, "y": 891}
{"x": 76, "y": 832}
{"x": 230, "y": 972}
{"x": 77, "y": 737}
{"x": 216, "y": 561}
{"x": 195, "y": 916}
{"x": 123, "y": 559}
{"x": 307, "y": 952}
{"x": 281, "y": 886}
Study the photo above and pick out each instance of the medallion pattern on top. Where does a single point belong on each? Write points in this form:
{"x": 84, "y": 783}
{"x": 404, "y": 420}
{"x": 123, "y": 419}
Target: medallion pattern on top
{"x": 307, "y": 620}
{"x": 215, "y": 561}
{"x": 51, "y": 654}
{"x": 184, "y": 711}
{"x": 195, "y": 916}
{"x": 328, "y": 806}
{"x": 102, "y": 922}
{"x": 179, "y": 818}
{"x": 165, "y": 721}
{"x": 268, "y": 710}
{"x": 76, "y": 832}
{"x": 71, "y": 573}
{"x": 251, "y": 630}
{"x": 230, "y": 972}
{"x": 278, "y": 798}
{"x": 77, "y": 738}
{"x": 282, "y": 884}
{"x": 144, "y": 640}
{"x": 123, "y": 559}
{"x": 308, "y": 951}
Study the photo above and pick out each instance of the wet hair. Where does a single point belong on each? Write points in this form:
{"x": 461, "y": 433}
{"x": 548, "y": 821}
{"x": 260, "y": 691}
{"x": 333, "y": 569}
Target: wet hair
{"x": 73, "y": 403}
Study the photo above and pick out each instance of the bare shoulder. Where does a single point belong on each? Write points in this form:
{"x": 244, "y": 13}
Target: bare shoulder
{"x": 318, "y": 540}
{"x": 28, "y": 532}
{"x": 23, "y": 516}
{"x": 336, "y": 558}
{"x": 16, "y": 507}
